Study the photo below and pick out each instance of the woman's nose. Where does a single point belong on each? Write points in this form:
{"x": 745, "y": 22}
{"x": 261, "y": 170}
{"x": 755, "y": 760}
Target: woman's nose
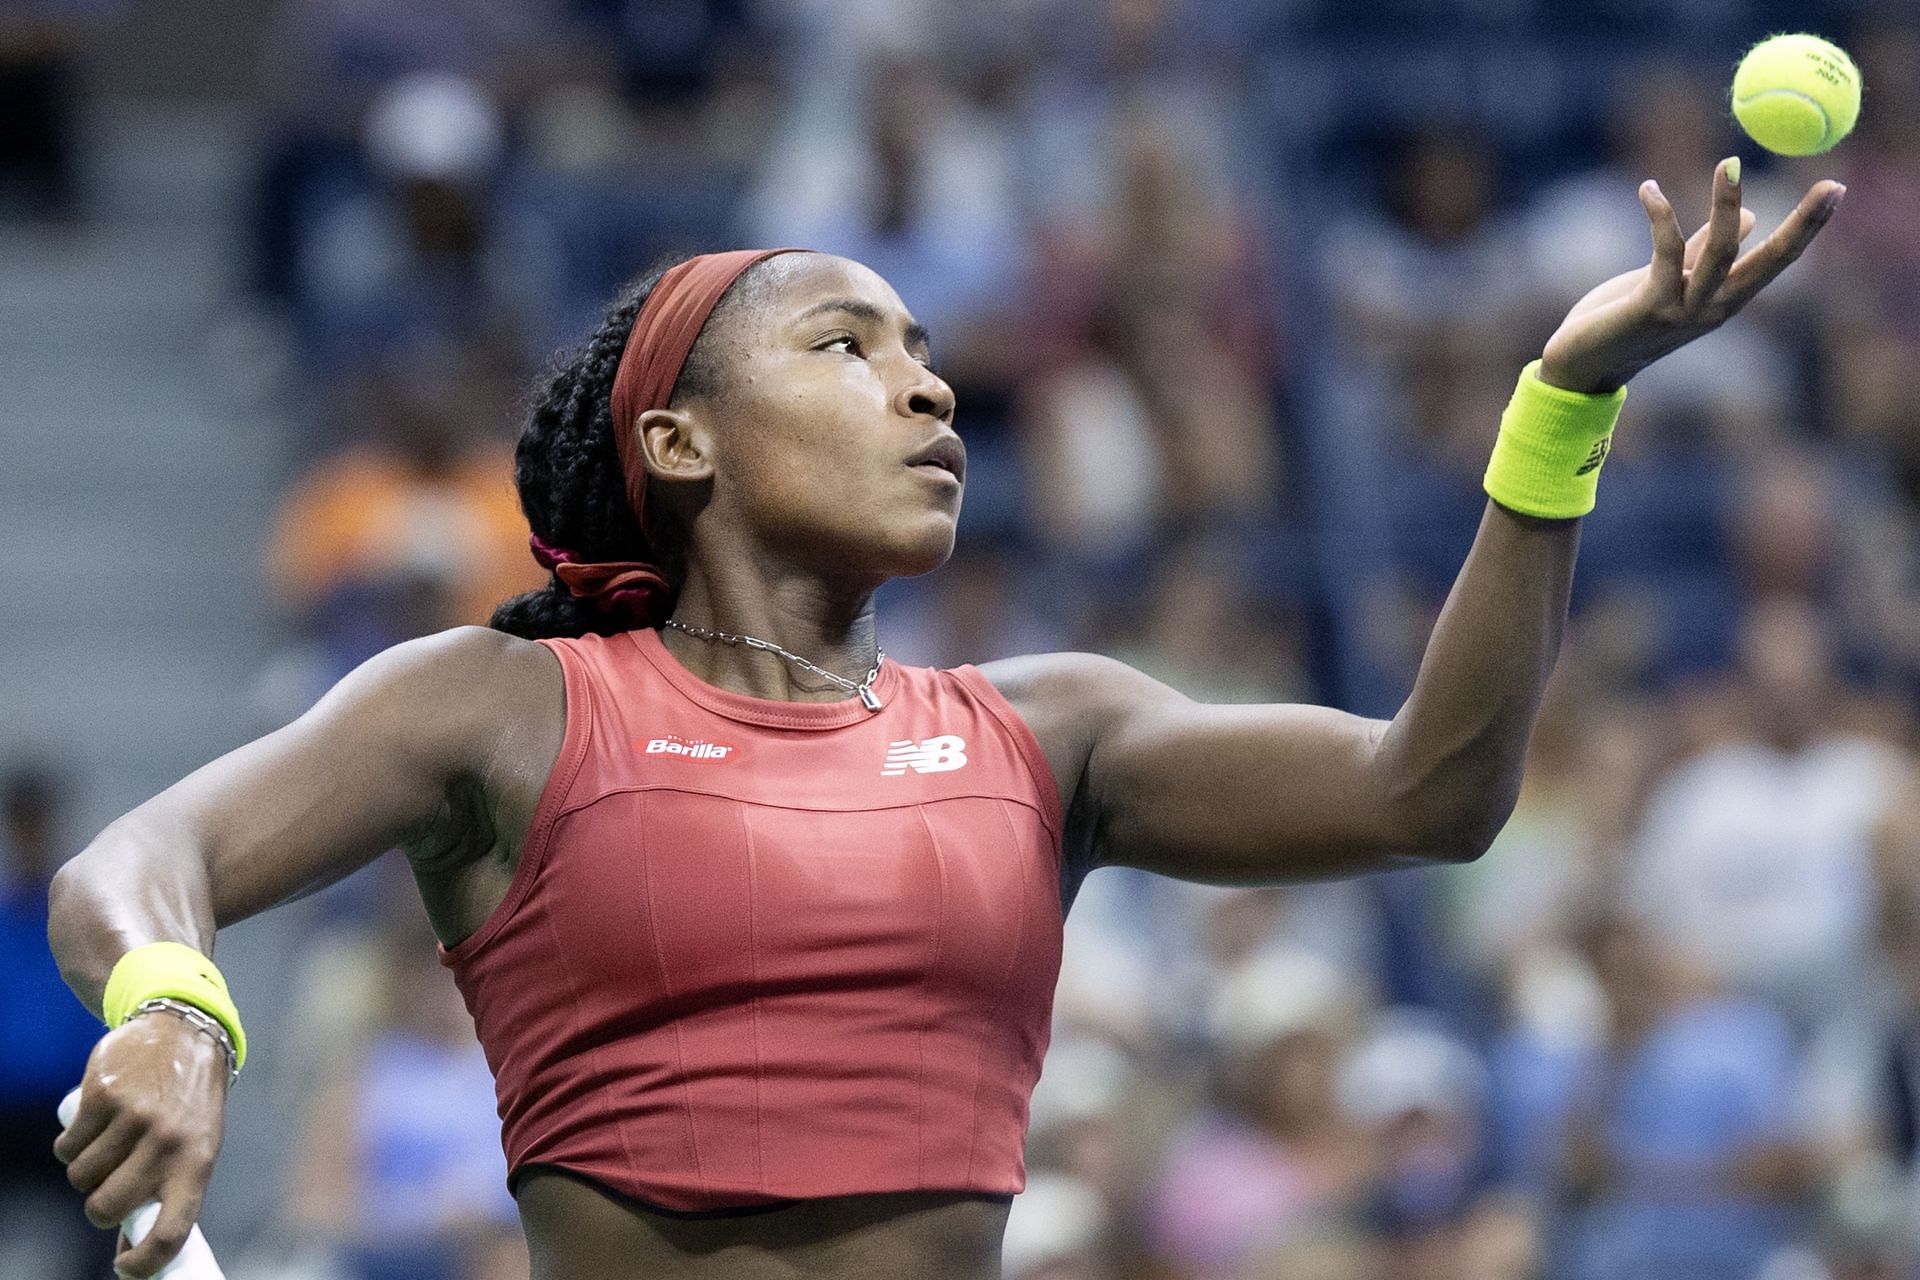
{"x": 927, "y": 395}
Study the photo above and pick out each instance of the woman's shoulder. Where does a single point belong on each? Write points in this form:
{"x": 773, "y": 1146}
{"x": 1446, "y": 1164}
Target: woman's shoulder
{"x": 1066, "y": 701}
{"x": 465, "y": 656}
{"x": 1068, "y": 695}
{"x": 463, "y": 684}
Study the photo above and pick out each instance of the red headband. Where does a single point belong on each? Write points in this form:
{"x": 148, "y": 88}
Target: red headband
{"x": 663, "y": 333}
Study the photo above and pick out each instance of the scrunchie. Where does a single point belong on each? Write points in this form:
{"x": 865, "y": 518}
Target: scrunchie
{"x": 632, "y": 587}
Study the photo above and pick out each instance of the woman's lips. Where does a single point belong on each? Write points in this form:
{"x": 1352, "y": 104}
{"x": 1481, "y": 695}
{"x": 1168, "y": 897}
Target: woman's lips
{"x": 937, "y": 472}
{"x": 944, "y": 453}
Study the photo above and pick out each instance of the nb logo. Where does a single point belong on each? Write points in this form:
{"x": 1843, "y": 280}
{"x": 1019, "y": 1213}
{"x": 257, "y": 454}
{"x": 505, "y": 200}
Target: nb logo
{"x": 1598, "y": 456}
{"x": 936, "y": 755}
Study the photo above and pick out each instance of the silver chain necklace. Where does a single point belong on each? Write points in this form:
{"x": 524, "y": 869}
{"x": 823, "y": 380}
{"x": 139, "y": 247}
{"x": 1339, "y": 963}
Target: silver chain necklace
{"x": 868, "y": 698}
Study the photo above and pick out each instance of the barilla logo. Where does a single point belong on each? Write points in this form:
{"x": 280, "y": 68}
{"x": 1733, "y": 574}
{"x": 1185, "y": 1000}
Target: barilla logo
{"x": 694, "y": 750}
{"x": 935, "y": 755}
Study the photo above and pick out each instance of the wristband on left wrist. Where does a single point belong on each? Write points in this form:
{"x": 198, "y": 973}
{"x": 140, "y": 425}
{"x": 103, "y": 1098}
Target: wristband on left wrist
{"x": 1552, "y": 443}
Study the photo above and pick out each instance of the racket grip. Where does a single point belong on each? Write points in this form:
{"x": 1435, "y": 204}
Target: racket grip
{"x": 195, "y": 1259}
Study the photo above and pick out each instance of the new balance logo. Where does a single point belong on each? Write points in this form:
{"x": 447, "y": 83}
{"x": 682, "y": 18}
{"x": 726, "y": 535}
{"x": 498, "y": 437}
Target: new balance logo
{"x": 936, "y": 755}
{"x": 694, "y": 750}
{"x": 1598, "y": 456}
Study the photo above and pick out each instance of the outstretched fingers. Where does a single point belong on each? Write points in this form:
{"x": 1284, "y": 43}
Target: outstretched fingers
{"x": 1698, "y": 240}
{"x": 1669, "y": 246}
{"x": 1723, "y": 237}
{"x": 1789, "y": 240}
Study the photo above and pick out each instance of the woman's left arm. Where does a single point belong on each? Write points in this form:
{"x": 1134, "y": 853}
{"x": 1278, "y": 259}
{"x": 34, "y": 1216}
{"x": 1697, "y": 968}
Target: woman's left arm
{"x": 1262, "y": 794}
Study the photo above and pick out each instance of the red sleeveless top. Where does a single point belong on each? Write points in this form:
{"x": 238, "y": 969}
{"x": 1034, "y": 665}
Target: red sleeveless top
{"x": 760, "y": 951}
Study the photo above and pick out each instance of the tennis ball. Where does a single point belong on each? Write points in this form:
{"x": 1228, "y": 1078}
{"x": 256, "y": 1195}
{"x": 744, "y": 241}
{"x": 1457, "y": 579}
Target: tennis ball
{"x": 1796, "y": 95}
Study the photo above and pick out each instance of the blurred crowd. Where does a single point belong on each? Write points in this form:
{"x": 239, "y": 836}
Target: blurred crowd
{"x": 1232, "y": 294}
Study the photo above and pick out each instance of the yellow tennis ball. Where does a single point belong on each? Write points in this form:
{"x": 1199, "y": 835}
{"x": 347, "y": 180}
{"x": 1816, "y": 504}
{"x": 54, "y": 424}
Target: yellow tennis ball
{"x": 1796, "y": 95}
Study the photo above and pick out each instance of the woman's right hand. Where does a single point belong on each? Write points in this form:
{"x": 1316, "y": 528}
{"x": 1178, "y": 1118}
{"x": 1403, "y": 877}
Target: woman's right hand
{"x": 152, "y": 1115}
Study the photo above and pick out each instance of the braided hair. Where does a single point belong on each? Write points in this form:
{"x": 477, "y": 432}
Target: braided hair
{"x": 567, "y": 469}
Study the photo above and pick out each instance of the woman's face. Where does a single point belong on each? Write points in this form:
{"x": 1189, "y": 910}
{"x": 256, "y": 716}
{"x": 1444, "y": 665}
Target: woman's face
{"x": 831, "y": 439}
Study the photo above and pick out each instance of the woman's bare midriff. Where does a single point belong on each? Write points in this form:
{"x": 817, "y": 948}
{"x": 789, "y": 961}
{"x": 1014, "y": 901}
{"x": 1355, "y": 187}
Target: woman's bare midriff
{"x": 577, "y": 1232}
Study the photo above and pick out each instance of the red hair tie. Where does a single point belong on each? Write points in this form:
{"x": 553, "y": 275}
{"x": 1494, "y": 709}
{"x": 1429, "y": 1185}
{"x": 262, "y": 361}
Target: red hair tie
{"x": 632, "y": 587}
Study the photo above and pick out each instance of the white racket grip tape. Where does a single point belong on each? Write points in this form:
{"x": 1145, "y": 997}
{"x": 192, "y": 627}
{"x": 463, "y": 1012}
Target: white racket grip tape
{"x": 195, "y": 1259}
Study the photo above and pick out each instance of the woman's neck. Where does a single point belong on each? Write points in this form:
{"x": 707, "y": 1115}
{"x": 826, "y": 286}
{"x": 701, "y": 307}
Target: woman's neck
{"x": 831, "y": 627}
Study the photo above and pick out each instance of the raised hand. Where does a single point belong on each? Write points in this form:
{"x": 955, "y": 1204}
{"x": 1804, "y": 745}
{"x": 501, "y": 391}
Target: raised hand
{"x": 1690, "y": 288}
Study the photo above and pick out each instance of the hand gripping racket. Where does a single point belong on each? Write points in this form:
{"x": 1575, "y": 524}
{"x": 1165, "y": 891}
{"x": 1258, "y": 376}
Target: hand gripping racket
{"x": 195, "y": 1259}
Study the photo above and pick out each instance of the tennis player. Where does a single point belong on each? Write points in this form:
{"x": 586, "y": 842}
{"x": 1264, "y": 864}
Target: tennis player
{"x": 759, "y": 929}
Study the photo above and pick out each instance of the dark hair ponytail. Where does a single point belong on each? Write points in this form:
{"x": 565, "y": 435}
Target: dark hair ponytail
{"x": 567, "y": 469}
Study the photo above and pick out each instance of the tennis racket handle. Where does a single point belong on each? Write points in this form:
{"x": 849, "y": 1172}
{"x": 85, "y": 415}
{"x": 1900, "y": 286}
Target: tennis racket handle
{"x": 195, "y": 1259}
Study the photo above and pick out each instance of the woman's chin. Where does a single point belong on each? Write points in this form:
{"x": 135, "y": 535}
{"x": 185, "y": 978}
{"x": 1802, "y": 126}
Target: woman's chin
{"x": 923, "y": 554}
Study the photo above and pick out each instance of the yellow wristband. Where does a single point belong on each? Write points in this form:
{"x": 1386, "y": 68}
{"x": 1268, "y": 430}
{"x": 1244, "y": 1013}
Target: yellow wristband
{"x": 1552, "y": 441}
{"x": 175, "y": 970}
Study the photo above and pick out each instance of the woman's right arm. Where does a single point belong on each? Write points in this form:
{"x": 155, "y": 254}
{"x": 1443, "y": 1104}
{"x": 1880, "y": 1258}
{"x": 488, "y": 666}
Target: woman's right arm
{"x": 366, "y": 769}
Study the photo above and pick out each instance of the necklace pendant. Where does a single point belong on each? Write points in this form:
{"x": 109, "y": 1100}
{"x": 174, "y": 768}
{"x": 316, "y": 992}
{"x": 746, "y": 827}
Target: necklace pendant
{"x": 868, "y": 698}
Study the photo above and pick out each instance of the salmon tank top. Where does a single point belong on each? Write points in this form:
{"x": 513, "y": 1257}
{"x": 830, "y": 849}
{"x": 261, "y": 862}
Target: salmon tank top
{"x": 760, "y": 951}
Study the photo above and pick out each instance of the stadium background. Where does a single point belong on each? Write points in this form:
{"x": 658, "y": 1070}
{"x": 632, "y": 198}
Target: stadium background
{"x": 1232, "y": 293}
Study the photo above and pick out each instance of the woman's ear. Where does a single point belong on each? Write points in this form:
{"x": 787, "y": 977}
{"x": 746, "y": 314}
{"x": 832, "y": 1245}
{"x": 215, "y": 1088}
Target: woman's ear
{"x": 674, "y": 445}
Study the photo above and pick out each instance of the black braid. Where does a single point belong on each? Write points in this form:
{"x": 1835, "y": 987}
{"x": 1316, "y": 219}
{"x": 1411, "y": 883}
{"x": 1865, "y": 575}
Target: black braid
{"x": 567, "y": 469}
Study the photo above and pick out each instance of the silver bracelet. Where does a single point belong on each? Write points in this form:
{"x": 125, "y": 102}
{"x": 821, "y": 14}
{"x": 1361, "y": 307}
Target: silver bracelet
{"x": 200, "y": 1018}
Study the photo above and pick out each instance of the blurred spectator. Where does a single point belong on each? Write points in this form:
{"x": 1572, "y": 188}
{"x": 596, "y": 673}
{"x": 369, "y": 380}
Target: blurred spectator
{"x": 668, "y": 52}
{"x": 1889, "y": 1110}
{"x": 1420, "y": 1091}
{"x": 414, "y": 529}
{"x": 1803, "y": 521}
{"x": 1152, "y": 343}
{"x": 1103, "y": 65}
{"x": 327, "y": 63}
{"x": 1684, "y": 1153}
{"x": 1195, "y": 624}
{"x": 419, "y": 251}
{"x": 42, "y": 43}
{"x": 1870, "y": 266}
{"x": 1274, "y": 1163}
{"x": 987, "y": 602}
{"x": 598, "y": 185}
{"x": 400, "y": 1169}
{"x": 897, "y": 170}
{"x": 1787, "y": 525}
{"x": 1866, "y": 1232}
{"x": 1097, "y": 1127}
{"x": 1152, "y": 351}
{"x": 1423, "y": 292}
{"x": 48, "y": 1036}
{"x": 1754, "y": 857}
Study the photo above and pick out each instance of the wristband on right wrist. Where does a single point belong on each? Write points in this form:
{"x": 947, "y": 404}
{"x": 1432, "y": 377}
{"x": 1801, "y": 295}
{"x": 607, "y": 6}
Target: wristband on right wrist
{"x": 175, "y": 971}
{"x": 1552, "y": 443}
